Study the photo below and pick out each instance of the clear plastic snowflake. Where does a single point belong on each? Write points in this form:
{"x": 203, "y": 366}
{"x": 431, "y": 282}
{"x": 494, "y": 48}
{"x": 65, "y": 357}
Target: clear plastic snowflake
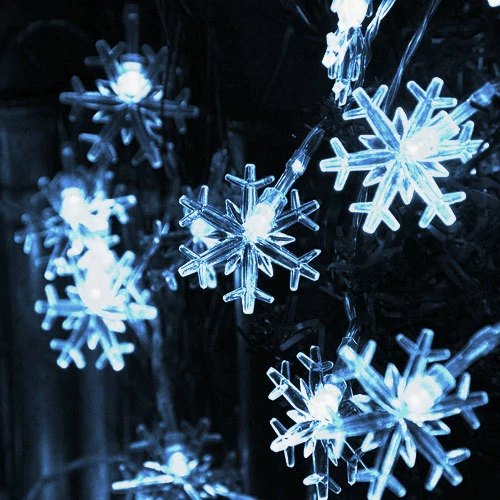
{"x": 346, "y": 48}
{"x": 250, "y": 236}
{"x": 131, "y": 101}
{"x": 405, "y": 154}
{"x": 78, "y": 218}
{"x": 319, "y": 402}
{"x": 178, "y": 469}
{"x": 406, "y": 410}
{"x": 97, "y": 308}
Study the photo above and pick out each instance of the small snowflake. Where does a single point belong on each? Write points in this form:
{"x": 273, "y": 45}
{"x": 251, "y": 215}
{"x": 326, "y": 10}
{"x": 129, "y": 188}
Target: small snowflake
{"x": 346, "y": 50}
{"x": 320, "y": 403}
{"x": 98, "y": 307}
{"x": 406, "y": 410}
{"x": 406, "y": 154}
{"x": 131, "y": 102}
{"x": 248, "y": 237}
{"x": 79, "y": 215}
{"x": 178, "y": 468}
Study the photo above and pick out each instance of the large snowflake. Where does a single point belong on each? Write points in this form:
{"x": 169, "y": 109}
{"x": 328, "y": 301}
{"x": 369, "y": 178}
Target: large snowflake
{"x": 131, "y": 102}
{"x": 78, "y": 217}
{"x": 405, "y": 154}
{"x": 406, "y": 411}
{"x": 178, "y": 469}
{"x": 97, "y": 308}
{"x": 317, "y": 403}
{"x": 250, "y": 237}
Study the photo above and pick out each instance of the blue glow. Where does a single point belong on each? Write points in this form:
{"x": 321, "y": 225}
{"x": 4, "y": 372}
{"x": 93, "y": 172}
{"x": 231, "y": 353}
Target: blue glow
{"x": 180, "y": 471}
{"x": 316, "y": 404}
{"x": 405, "y": 155}
{"x": 249, "y": 237}
{"x": 399, "y": 415}
{"x": 406, "y": 410}
{"x": 494, "y": 3}
{"x": 130, "y": 102}
{"x": 78, "y": 218}
{"x": 97, "y": 308}
{"x": 345, "y": 56}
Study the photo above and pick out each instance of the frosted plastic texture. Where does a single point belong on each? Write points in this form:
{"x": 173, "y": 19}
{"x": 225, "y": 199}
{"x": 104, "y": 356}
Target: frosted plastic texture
{"x": 79, "y": 217}
{"x": 416, "y": 402}
{"x": 399, "y": 414}
{"x": 97, "y": 308}
{"x": 318, "y": 402}
{"x": 405, "y": 155}
{"x": 131, "y": 101}
{"x": 178, "y": 469}
{"x": 345, "y": 56}
{"x": 249, "y": 237}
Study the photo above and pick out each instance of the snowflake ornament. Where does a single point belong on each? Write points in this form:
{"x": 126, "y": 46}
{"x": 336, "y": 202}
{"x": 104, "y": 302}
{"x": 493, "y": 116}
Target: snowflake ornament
{"x": 97, "y": 308}
{"x": 131, "y": 101}
{"x": 405, "y": 154}
{"x": 345, "y": 56}
{"x": 178, "y": 469}
{"x": 319, "y": 402}
{"x": 406, "y": 411}
{"x": 78, "y": 218}
{"x": 249, "y": 237}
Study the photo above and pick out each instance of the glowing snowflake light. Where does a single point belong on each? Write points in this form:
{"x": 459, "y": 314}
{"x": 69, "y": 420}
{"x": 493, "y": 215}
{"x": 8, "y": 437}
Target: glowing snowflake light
{"x": 346, "y": 49}
{"x": 131, "y": 101}
{"x": 250, "y": 237}
{"x": 320, "y": 402}
{"x": 405, "y": 155}
{"x": 178, "y": 470}
{"x": 98, "y": 307}
{"x": 78, "y": 218}
{"x": 407, "y": 409}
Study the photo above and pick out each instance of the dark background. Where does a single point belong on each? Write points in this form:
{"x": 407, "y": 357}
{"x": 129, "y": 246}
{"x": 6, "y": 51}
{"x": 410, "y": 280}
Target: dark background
{"x": 255, "y": 71}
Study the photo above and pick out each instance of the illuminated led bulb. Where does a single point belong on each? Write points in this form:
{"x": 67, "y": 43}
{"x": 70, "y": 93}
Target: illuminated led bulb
{"x": 351, "y": 12}
{"x": 74, "y": 209}
{"x": 494, "y": 3}
{"x": 132, "y": 86}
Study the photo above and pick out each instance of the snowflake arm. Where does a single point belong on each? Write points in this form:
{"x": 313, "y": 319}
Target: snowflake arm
{"x": 177, "y": 468}
{"x": 130, "y": 102}
{"x": 317, "y": 406}
{"x": 96, "y": 310}
{"x": 79, "y": 218}
{"x": 249, "y": 236}
{"x": 405, "y": 155}
{"x": 416, "y": 401}
{"x": 345, "y": 56}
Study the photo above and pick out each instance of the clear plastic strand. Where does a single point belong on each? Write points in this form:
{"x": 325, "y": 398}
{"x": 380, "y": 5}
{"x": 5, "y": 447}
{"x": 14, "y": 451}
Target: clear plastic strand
{"x": 408, "y": 54}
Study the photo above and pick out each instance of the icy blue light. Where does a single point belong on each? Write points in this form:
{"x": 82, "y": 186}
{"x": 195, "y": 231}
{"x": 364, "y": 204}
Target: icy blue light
{"x": 405, "y": 155}
{"x": 79, "y": 218}
{"x": 97, "y": 308}
{"x": 177, "y": 469}
{"x": 494, "y": 3}
{"x": 406, "y": 411}
{"x": 316, "y": 405}
{"x": 345, "y": 55}
{"x": 249, "y": 237}
{"x": 130, "y": 102}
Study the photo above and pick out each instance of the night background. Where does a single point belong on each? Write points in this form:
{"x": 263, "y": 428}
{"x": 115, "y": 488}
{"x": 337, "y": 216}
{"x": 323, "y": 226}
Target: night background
{"x": 255, "y": 73}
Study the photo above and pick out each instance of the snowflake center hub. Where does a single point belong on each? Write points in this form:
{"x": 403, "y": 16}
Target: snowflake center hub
{"x": 420, "y": 395}
{"x": 325, "y": 402}
{"x": 420, "y": 146}
{"x": 132, "y": 86}
{"x": 178, "y": 462}
{"x": 258, "y": 223}
{"x": 73, "y": 206}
